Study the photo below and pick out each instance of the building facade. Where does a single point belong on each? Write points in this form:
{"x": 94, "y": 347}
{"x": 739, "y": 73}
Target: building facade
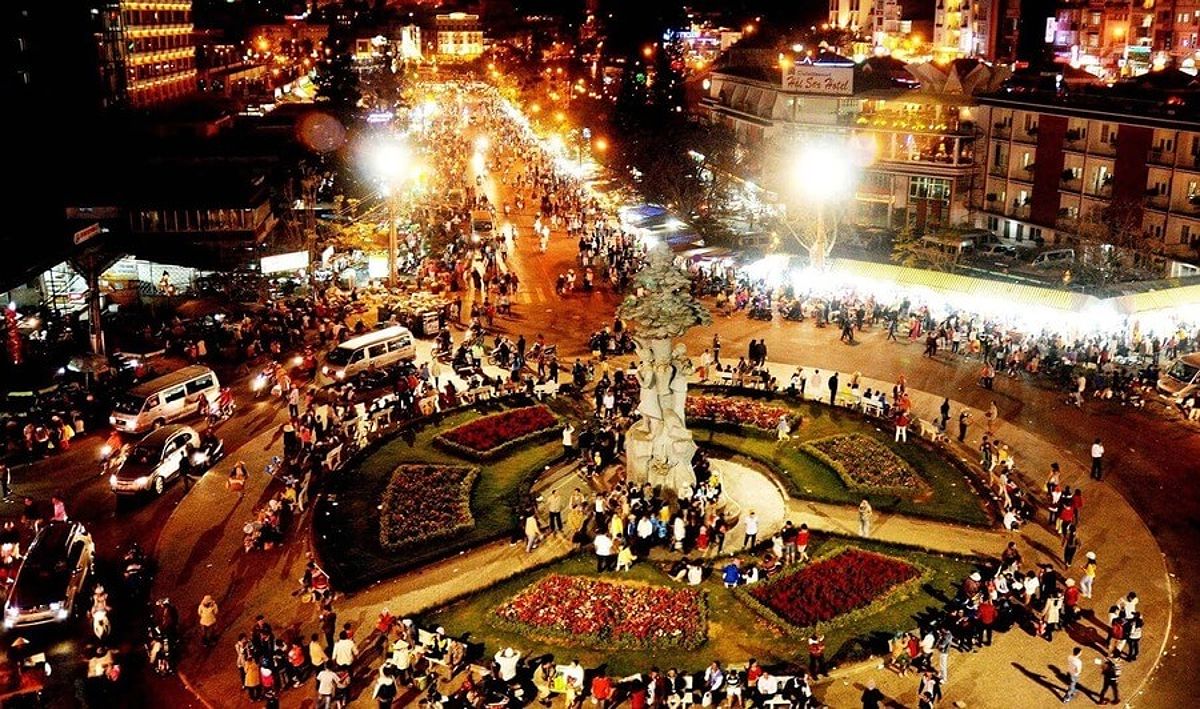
{"x": 1056, "y": 169}
{"x": 919, "y": 149}
{"x": 851, "y": 14}
{"x": 459, "y": 36}
{"x": 147, "y": 53}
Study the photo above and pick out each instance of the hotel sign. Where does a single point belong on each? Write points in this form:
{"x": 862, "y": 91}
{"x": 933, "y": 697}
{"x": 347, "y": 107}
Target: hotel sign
{"x": 822, "y": 80}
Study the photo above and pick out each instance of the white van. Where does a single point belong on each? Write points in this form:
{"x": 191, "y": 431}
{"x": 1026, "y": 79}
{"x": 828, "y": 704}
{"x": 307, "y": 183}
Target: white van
{"x": 1057, "y": 257}
{"x": 1181, "y": 378}
{"x": 167, "y": 398}
{"x": 380, "y": 349}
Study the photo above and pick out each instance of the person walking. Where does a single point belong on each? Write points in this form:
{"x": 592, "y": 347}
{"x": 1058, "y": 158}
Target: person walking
{"x": 751, "y": 531}
{"x": 533, "y": 532}
{"x": 833, "y": 389}
{"x": 816, "y": 656}
{"x": 865, "y": 513}
{"x": 208, "y": 620}
{"x": 1074, "y": 670}
{"x": 1089, "y": 575}
{"x": 944, "y": 410}
{"x": 1110, "y": 674}
{"x": 5, "y": 480}
{"x": 964, "y": 421}
{"x": 992, "y": 416}
{"x": 1097, "y": 460}
{"x": 554, "y": 506}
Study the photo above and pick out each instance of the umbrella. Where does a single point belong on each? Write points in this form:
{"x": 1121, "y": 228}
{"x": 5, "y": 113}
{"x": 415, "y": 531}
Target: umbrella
{"x": 201, "y": 307}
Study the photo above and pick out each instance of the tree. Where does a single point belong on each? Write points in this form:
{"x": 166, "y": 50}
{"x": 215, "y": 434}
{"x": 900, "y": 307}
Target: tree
{"x": 1112, "y": 242}
{"x": 666, "y": 308}
{"x": 909, "y": 248}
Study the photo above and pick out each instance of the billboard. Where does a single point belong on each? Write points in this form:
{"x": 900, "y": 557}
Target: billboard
{"x": 822, "y": 80}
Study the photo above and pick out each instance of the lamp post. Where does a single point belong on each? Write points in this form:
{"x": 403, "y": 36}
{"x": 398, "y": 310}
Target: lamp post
{"x": 391, "y": 160}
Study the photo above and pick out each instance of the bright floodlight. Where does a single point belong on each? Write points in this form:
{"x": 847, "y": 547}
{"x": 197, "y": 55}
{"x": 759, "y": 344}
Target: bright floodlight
{"x": 390, "y": 159}
{"x": 822, "y": 172}
{"x": 481, "y": 143}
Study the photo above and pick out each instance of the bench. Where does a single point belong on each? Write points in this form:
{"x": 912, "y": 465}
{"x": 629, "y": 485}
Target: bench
{"x": 546, "y": 389}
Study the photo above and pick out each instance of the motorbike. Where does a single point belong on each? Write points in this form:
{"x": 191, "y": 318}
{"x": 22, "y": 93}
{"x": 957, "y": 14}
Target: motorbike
{"x": 160, "y": 648}
{"x": 210, "y": 450}
{"x": 136, "y": 574}
{"x": 261, "y": 384}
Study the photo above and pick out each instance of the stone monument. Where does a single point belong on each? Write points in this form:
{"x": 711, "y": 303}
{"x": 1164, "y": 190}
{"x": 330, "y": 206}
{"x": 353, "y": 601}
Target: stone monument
{"x": 659, "y": 448}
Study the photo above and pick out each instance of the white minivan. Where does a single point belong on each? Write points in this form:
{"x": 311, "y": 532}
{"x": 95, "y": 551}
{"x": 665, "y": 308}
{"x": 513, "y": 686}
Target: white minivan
{"x": 169, "y": 397}
{"x": 379, "y": 349}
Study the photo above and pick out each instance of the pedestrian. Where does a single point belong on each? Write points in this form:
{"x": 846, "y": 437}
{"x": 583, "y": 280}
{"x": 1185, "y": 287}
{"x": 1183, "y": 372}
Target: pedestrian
{"x": 1097, "y": 460}
{"x": 345, "y": 650}
{"x": 833, "y": 389}
{"x": 554, "y": 512}
{"x": 751, "y": 531}
{"x": 1074, "y": 670}
{"x": 385, "y": 687}
{"x": 964, "y": 421}
{"x": 816, "y": 656}
{"x": 5, "y": 480}
{"x": 533, "y": 532}
{"x": 327, "y": 681}
{"x": 865, "y": 513}
{"x": 872, "y": 698}
{"x": 944, "y": 421}
{"x": 1133, "y": 636}
{"x": 208, "y": 620}
{"x": 1089, "y": 575}
{"x": 992, "y": 416}
{"x": 1110, "y": 673}
{"x": 1070, "y": 547}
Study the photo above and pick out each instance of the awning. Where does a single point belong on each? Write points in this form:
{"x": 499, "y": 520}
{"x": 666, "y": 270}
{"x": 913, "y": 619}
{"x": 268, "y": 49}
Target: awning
{"x": 1012, "y": 294}
{"x": 1164, "y": 299}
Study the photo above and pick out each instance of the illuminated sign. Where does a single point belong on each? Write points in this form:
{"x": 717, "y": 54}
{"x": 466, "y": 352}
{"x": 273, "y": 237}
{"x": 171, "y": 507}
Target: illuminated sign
{"x": 294, "y": 261}
{"x": 822, "y": 80}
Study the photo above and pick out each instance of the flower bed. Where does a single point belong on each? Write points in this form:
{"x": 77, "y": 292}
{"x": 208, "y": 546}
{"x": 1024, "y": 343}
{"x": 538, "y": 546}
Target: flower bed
{"x": 865, "y": 464}
{"x": 740, "y": 412}
{"x": 489, "y": 436}
{"x": 425, "y": 502}
{"x": 581, "y": 611}
{"x": 846, "y": 584}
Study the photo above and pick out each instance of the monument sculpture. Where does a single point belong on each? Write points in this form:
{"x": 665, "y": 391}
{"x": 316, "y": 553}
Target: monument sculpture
{"x": 659, "y": 448}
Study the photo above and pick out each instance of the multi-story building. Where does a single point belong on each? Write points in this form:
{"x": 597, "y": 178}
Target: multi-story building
{"x": 987, "y": 29}
{"x": 851, "y": 14}
{"x": 919, "y": 146}
{"x": 1114, "y": 38}
{"x": 459, "y": 36}
{"x": 886, "y": 21}
{"x": 1054, "y": 166}
{"x": 147, "y": 54}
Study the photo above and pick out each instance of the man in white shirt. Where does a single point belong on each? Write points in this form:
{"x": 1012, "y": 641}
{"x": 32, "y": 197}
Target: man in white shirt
{"x": 1074, "y": 669}
{"x": 1098, "y": 460}
{"x": 751, "y": 530}
{"x": 768, "y": 685}
{"x": 603, "y": 546}
{"x": 344, "y": 650}
{"x": 326, "y": 686}
{"x": 507, "y": 660}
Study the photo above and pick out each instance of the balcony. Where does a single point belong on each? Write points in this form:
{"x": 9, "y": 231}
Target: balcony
{"x": 1026, "y": 135}
{"x": 1000, "y": 170}
{"x": 1099, "y": 147}
{"x": 1157, "y": 200}
{"x": 1074, "y": 140}
{"x": 1158, "y": 156}
{"x": 1019, "y": 209}
{"x": 1002, "y": 129}
{"x": 1070, "y": 181}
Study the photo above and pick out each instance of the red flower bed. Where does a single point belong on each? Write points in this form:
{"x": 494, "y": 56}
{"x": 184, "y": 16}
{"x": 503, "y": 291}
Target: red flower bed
{"x": 742, "y": 412}
{"x": 424, "y": 502}
{"x": 846, "y": 582}
{"x": 583, "y": 611}
{"x": 487, "y": 436}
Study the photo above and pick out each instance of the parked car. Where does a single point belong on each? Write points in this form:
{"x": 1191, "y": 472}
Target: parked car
{"x": 154, "y": 461}
{"x": 169, "y": 397}
{"x": 51, "y": 576}
{"x": 1181, "y": 378}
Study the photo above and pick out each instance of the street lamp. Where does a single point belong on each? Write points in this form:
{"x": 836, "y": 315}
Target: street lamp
{"x": 822, "y": 175}
{"x": 392, "y": 162}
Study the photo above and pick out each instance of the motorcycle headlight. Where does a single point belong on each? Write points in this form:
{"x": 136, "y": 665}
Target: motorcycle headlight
{"x": 258, "y": 382}
{"x": 55, "y": 606}
{"x": 199, "y": 457}
{"x": 62, "y": 614}
{"x": 142, "y": 481}
{"x": 112, "y": 480}
{"x": 112, "y": 420}
{"x": 341, "y": 374}
{"x": 12, "y": 612}
{"x": 297, "y": 361}
{"x": 105, "y": 450}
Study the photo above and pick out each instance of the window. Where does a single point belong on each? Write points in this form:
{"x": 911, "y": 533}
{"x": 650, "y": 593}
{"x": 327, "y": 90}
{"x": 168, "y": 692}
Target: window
{"x": 377, "y": 350}
{"x": 1185, "y": 234}
{"x": 1107, "y": 134}
{"x": 198, "y": 385}
{"x": 358, "y": 355}
{"x": 1020, "y": 232}
{"x": 174, "y": 395}
{"x": 932, "y": 188}
{"x": 152, "y": 402}
{"x": 998, "y": 157}
{"x": 397, "y": 344}
{"x": 993, "y": 224}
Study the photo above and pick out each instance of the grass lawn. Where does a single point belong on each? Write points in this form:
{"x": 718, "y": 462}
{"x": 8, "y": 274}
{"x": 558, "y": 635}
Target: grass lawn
{"x": 735, "y": 632}
{"x": 952, "y": 496}
{"x": 346, "y": 526}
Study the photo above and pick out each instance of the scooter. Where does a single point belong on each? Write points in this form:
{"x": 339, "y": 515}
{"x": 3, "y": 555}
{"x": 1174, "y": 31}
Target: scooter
{"x": 208, "y": 453}
{"x": 261, "y": 384}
